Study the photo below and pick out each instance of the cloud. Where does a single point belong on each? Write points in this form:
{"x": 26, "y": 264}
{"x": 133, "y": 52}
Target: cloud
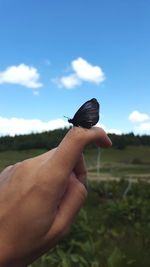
{"x": 22, "y": 74}
{"x": 142, "y": 121}
{"x": 137, "y": 116}
{"x": 69, "y": 81}
{"x": 82, "y": 71}
{"x": 143, "y": 128}
{"x": 87, "y": 72}
{"x": 111, "y": 130}
{"x": 17, "y": 126}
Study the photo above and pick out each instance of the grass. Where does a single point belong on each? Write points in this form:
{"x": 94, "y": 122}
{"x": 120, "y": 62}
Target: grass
{"x": 109, "y": 231}
{"x": 127, "y": 155}
{"x": 130, "y": 163}
{"x": 113, "y": 228}
{"x": 11, "y": 157}
{"x": 131, "y": 160}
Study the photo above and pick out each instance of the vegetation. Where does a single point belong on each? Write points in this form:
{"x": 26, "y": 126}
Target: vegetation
{"x": 113, "y": 228}
{"x": 48, "y": 140}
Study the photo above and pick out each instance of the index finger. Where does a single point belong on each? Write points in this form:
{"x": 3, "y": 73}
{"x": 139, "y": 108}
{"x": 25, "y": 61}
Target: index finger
{"x": 80, "y": 170}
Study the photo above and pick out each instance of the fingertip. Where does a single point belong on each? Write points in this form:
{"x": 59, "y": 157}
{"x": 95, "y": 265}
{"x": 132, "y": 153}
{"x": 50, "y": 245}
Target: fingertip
{"x": 100, "y": 137}
{"x": 104, "y": 143}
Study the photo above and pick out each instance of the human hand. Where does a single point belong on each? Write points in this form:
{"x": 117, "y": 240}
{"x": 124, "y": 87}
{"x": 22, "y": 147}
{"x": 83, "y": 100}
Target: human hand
{"x": 40, "y": 197}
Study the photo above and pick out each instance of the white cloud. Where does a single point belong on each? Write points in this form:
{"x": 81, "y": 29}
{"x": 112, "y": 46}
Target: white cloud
{"x": 137, "y": 116}
{"x": 87, "y": 72}
{"x": 111, "y": 130}
{"x": 16, "y": 126}
{"x": 142, "y": 121}
{"x": 143, "y": 128}
{"x": 82, "y": 71}
{"x": 69, "y": 81}
{"x": 22, "y": 74}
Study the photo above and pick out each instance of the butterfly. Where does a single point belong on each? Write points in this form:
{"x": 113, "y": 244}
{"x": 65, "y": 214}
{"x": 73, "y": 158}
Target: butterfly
{"x": 87, "y": 115}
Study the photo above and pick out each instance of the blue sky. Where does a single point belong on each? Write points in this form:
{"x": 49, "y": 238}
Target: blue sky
{"x": 57, "y": 54}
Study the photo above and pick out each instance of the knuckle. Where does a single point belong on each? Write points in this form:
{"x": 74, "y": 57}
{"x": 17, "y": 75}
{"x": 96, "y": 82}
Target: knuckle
{"x": 77, "y": 134}
{"x": 21, "y": 168}
{"x": 16, "y": 167}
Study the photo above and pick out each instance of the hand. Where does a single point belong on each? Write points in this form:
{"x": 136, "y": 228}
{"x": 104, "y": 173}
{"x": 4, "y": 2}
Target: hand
{"x": 40, "y": 197}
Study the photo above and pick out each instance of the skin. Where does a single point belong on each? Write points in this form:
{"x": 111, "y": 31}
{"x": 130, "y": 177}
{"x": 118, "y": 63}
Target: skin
{"x": 40, "y": 197}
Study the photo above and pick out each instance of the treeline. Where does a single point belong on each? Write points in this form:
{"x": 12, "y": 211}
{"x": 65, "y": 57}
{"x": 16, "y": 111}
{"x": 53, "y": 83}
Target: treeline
{"x": 121, "y": 141}
{"x": 46, "y": 140}
{"x": 50, "y": 139}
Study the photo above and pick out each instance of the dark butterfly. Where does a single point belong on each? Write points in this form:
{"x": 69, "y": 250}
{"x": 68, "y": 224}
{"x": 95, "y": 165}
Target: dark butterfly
{"x": 87, "y": 115}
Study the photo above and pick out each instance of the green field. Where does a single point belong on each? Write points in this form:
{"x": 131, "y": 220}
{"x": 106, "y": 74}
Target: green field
{"x": 113, "y": 228}
{"x": 131, "y": 162}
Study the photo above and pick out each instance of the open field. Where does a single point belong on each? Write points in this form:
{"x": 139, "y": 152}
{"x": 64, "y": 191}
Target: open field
{"x": 11, "y": 157}
{"x": 113, "y": 228}
{"x": 132, "y": 162}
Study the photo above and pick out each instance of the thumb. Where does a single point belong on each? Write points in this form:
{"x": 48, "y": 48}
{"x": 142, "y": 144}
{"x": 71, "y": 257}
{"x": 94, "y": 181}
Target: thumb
{"x": 96, "y": 135}
{"x": 71, "y": 147}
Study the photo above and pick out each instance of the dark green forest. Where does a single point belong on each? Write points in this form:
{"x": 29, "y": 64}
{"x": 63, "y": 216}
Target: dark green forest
{"x": 51, "y": 139}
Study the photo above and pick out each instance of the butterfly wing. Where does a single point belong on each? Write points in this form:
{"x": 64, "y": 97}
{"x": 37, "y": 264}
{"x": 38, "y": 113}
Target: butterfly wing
{"x": 87, "y": 115}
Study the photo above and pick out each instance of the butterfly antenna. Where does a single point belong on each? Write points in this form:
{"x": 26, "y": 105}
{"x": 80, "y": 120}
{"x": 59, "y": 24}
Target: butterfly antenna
{"x": 66, "y": 117}
{"x": 69, "y": 120}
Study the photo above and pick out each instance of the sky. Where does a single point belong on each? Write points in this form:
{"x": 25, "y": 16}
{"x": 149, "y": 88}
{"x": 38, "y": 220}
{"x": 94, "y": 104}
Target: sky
{"x": 57, "y": 54}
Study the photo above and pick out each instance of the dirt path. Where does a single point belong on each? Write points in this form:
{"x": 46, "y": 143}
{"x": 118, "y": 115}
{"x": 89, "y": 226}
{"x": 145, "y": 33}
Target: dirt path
{"x": 108, "y": 177}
